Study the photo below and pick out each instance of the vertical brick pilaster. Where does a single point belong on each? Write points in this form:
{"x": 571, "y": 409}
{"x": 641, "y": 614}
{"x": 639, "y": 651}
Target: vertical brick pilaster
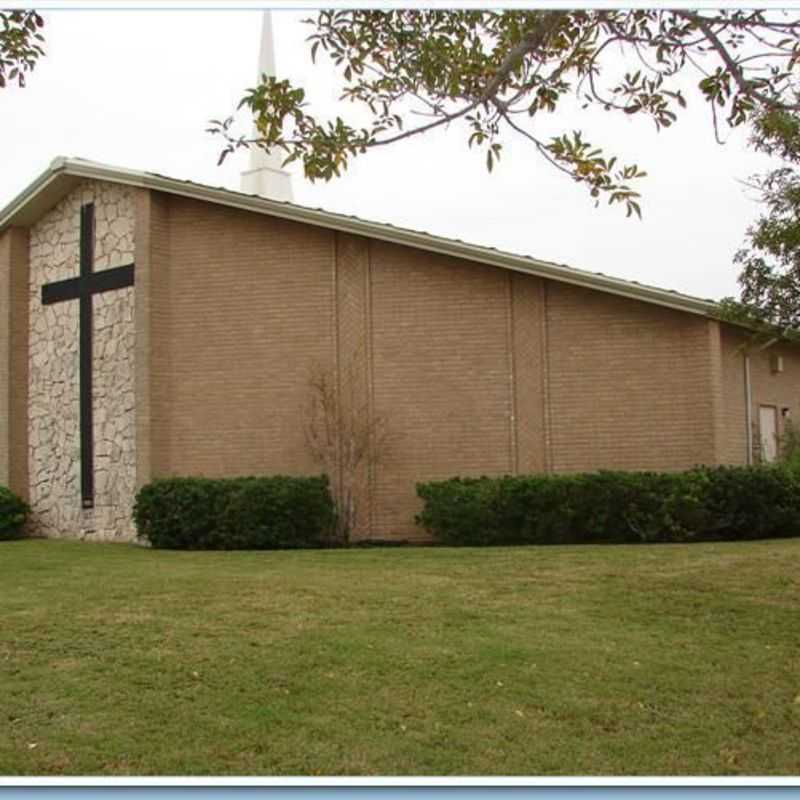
{"x": 511, "y": 358}
{"x": 152, "y": 321}
{"x": 716, "y": 394}
{"x": 547, "y": 415}
{"x": 14, "y": 258}
{"x": 354, "y": 355}
{"x": 5, "y": 357}
{"x": 529, "y": 374}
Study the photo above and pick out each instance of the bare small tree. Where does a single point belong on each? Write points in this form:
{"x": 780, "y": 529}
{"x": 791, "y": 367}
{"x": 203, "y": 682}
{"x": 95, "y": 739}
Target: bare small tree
{"x": 345, "y": 438}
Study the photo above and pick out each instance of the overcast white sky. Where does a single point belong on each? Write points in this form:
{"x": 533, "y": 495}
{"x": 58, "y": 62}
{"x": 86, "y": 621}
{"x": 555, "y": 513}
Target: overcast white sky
{"x": 136, "y": 89}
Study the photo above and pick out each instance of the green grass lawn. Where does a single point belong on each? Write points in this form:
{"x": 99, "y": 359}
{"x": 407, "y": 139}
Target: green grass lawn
{"x": 650, "y": 660}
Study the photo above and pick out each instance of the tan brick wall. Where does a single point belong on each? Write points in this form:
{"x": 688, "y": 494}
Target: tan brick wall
{"x": 442, "y": 367}
{"x": 14, "y": 360}
{"x": 734, "y": 440}
{"x": 717, "y": 390}
{"x": 529, "y": 344}
{"x": 353, "y": 363}
{"x": 477, "y": 370}
{"x": 781, "y": 390}
{"x": 5, "y": 355}
{"x": 630, "y": 384}
{"x": 250, "y": 308}
{"x": 152, "y": 315}
{"x": 776, "y": 389}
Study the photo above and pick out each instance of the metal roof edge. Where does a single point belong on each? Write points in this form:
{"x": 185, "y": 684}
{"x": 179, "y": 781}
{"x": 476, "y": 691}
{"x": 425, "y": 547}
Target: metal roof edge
{"x": 80, "y": 168}
{"x": 36, "y": 186}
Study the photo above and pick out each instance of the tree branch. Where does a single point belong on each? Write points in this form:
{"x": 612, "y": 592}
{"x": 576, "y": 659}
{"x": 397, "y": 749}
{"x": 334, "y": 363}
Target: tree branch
{"x": 744, "y": 85}
{"x": 534, "y": 40}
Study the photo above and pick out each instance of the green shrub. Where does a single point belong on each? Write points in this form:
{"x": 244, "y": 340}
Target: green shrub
{"x": 705, "y": 503}
{"x": 250, "y": 513}
{"x": 13, "y": 513}
{"x": 790, "y": 448}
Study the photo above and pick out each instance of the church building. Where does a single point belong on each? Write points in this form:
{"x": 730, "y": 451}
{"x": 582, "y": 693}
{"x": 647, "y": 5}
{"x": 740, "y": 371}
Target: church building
{"x": 154, "y": 327}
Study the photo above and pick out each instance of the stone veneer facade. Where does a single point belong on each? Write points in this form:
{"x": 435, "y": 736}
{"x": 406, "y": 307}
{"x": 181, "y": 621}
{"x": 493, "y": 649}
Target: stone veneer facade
{"x": 53, "y": 425}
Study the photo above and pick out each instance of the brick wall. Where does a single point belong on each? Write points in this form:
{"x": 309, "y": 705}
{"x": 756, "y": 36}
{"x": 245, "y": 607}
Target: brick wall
{"x": 244, "y": 310}
{"x": 630, "y": 384}
{"x": 152, "y": 326}
{"x": 475, "y": 369}
{"x": 353, "y": 356}
{"x": 734, "y": 443}
{"x": 781, "y": 390}
{"x": 529, "y": 356}
{"x": 442, "y": 375}
{"x": 14, "y": 360}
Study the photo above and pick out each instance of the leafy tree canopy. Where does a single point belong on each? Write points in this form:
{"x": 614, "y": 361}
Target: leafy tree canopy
{"x": 497, "y": 73}
{"x": 20, "y": 45}
{"x": 770, "y": 258}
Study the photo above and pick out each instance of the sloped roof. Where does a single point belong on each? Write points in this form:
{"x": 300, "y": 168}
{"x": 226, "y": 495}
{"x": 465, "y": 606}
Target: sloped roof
{"x": 64, "y": 174}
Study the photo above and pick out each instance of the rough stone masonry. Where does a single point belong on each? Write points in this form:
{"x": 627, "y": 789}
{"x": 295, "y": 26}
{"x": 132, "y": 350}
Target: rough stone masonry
{"x": 54, "y": 432}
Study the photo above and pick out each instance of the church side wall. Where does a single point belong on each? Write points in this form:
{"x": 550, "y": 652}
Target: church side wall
{"x": 251, "y": 313}
{"x": 54, "y": 432}
{"x": 443, "y": 372}
{"x": 431, "y": 344}
{"x": 475, "y": 370}
{"x": 631, "y": 385}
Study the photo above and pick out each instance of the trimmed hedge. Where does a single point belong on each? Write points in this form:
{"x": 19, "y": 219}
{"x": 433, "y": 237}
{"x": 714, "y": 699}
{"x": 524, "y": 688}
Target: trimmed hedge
{"x": 701, "y": 504}
{"x": 13, "y": 513}
{"x": 250, "y": 513}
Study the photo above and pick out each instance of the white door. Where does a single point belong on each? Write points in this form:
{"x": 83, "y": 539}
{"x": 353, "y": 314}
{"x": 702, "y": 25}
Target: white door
{"x": 768, "y": 426}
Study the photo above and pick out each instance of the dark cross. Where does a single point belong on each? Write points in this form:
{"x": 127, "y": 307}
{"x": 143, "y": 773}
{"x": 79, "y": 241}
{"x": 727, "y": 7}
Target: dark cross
{"x": 82, "y": 288}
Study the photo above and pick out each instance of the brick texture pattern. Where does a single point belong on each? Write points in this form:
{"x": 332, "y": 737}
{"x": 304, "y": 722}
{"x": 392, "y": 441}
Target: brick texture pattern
{"x": 244, "y": 312}
{"x": 528, "y": 384}
{"x": 778, "y": 389}
{"x": 629, "y": 384}
{"x": 441, "y": 375}
{"x": 734, "y": 439}
{"x": 14, "y": 360}
{"x": 152, "y": 320}
{"x": 353, "y": 359}
{"x": 5, "y": 355}
{"x": 476, "y": 370}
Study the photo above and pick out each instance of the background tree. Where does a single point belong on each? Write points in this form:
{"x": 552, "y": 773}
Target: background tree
{"x": 497, "y": 73}
{"x": 770, "y": 258}
{"x": 20, "y": 45}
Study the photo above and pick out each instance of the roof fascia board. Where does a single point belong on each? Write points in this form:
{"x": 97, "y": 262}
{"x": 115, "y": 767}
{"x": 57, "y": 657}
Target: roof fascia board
{"x": 61, "y": 168}
{"x": 50, "y": 184}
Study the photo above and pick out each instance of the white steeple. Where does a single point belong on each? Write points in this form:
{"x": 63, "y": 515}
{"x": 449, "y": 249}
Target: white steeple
{"x": 265, "y": 176}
